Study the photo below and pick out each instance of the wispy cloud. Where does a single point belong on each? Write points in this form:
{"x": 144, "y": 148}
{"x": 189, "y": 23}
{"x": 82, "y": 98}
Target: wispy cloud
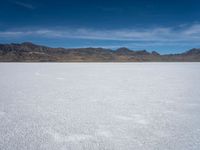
{"x": 193, "y": 31}
{"x": 170, "y": 34}
{"x": 25, "y": 5}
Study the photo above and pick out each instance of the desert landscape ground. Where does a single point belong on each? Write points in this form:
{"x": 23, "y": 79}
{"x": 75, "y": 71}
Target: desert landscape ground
{"x": 99, "y": 106}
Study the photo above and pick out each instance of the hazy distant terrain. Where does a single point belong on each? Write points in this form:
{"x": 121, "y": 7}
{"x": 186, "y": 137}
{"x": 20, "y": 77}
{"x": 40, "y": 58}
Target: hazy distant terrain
{"x": 29, "y": 52}
{"x": 100, "y": 106}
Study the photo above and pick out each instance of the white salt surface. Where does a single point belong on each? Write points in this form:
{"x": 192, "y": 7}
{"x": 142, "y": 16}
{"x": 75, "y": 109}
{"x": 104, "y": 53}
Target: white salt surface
{"x": 100, "y": 106}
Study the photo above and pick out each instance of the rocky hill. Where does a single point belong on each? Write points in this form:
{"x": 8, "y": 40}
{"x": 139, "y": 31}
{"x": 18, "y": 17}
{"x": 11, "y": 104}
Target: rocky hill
{"x": 29, "y": 52}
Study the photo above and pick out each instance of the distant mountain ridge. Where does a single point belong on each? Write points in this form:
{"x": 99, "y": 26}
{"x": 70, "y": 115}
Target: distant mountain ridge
{"x": 29, "y": 52}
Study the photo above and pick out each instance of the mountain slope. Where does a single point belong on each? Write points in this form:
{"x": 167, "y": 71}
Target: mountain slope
{"x": 29, "y": 52}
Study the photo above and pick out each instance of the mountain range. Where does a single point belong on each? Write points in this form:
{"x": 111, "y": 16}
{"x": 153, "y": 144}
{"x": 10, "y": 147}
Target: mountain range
{"x": 29, "y": 52}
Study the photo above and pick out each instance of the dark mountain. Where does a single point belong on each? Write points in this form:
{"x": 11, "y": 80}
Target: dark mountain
{"x": 29, "y": 52}
{"x": 124, "y": 51}
{"x": 194, "y": 51}
{"x": 155, "y": 53}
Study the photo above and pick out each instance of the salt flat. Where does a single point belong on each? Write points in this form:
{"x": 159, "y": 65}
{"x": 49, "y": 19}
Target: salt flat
{"x": 100, "y": 106}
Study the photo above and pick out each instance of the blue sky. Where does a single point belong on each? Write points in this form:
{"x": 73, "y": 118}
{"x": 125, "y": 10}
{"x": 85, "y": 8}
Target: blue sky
{"x": 165, "y": 26}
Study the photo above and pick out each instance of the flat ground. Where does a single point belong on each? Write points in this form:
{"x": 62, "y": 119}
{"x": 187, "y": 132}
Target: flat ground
{"x": 100, "y": 106}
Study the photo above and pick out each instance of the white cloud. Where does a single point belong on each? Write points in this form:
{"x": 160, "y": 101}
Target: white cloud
{"x": 191, "y": 33}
